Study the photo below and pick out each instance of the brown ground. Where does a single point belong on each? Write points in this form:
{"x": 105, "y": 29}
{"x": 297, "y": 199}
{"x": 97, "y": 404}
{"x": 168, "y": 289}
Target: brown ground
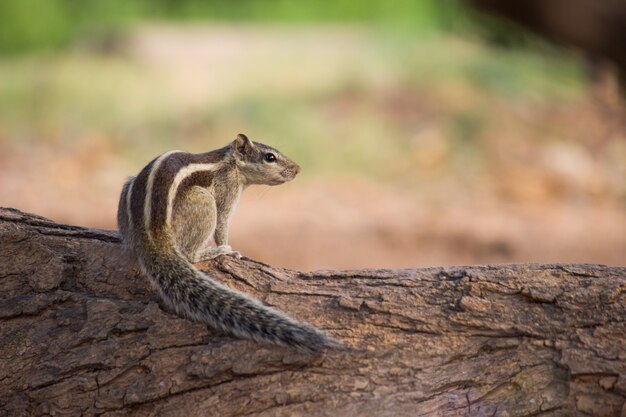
{"x": 356, "y": 224}
{"x": 365, "y": 225}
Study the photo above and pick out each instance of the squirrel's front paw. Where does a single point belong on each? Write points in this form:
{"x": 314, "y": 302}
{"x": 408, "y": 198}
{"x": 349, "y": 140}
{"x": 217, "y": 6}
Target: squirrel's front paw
{"x": 227, "y": 250}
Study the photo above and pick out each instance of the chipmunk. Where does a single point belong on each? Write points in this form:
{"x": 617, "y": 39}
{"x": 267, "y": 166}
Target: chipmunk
{"x": 168, "y": 213}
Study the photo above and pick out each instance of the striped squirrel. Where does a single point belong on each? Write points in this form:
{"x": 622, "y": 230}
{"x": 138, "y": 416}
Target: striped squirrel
{"x": 175, "y": 205}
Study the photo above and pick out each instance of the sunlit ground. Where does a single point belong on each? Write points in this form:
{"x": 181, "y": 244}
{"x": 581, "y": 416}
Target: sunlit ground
{"x": 416, "y": 149}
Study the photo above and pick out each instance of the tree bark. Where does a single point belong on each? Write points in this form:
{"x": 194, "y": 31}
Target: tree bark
{"x": 82, "y": 333}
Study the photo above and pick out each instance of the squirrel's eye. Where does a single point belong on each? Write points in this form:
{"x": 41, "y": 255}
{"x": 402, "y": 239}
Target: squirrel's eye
{"x": 270, "y": 157}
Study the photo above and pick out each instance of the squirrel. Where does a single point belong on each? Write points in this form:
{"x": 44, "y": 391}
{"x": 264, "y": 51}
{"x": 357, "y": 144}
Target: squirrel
{"x": 179, "y": 201}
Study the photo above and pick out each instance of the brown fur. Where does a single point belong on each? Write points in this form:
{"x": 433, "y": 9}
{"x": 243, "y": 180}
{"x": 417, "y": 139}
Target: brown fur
{"x": 191, "y": 201}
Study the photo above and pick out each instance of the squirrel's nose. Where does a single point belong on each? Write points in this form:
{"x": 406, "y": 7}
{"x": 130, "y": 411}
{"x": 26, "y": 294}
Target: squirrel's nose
{"x": 296, "y": 169}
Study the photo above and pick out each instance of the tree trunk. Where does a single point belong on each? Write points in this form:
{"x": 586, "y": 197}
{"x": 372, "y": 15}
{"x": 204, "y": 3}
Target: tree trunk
{"x": 82, "y": 333}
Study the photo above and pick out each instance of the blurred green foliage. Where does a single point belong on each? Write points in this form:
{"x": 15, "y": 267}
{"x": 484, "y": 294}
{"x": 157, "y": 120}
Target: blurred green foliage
{"x": 27, "y": 25}
{"x": 409, "y": 87}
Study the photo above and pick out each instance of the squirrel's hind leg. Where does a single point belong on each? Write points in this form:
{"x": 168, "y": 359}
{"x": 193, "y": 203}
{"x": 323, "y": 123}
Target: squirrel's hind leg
{"x": 193, "y": 221}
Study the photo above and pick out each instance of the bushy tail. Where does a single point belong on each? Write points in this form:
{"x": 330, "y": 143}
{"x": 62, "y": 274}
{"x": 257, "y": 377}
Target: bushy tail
{"x": 196, "y": 296}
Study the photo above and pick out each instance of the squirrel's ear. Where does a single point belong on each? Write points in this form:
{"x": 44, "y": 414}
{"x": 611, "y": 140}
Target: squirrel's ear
{"x": 242, "y": 145}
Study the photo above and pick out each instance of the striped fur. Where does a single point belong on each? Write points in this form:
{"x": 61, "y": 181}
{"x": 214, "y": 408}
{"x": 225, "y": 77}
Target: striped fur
{"x": 129, "y": 192}
{"x": 177, "y": 203}
{"x": 149, "y": 187}
{"x": 181, "y": 175}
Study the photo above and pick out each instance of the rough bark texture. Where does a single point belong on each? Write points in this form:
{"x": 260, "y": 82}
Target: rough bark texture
{"x": 82, "y": 333}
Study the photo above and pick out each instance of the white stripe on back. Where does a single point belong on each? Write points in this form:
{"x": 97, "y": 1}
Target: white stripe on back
{"x": 179, "y": 178}
{"x": 147, "y": 206}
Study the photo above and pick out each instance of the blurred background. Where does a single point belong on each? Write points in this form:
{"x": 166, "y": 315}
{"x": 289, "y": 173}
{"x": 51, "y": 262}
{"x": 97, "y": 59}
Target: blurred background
{"x": 428, "y": 132}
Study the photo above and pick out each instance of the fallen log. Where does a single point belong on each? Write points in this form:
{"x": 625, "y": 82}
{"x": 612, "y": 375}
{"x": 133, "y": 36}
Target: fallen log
{"x": 82, "y": 333}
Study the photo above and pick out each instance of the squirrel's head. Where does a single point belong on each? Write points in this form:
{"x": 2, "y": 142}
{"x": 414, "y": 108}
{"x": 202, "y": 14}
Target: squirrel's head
{"x": 262, "y": 164}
